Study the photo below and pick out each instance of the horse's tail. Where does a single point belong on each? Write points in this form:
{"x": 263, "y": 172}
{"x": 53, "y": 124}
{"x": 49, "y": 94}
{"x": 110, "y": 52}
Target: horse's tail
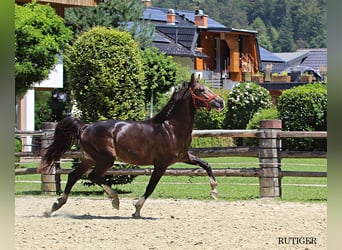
{"x": 66, "y": 133}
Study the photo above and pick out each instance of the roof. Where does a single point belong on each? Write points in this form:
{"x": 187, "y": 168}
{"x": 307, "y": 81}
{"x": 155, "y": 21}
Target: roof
{"x": 316, "y": 58}
{"x": 177, "y": 41}
{"x": 267, "y": 56}
{"x": 180, "y": 38}
{"x": 293, "y": 57}
{"x": 183, "y": 17}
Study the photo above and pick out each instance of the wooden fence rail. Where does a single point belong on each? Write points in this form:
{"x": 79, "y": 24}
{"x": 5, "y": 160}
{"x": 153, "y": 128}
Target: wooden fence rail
{"x": 269, "y": 153}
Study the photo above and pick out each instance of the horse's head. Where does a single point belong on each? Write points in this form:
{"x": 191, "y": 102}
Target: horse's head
{"x": 202, "y": 96}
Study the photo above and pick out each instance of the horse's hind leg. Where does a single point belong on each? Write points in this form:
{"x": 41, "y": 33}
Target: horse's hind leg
{"x": 73, "y": 177}
{"x": 96, "y": 176}
{"x": 195, "y": 160}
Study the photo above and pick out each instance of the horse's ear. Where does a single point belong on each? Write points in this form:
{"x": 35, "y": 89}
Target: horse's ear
{"x": 192, "y": 80}
{"x": 198, "y": 77}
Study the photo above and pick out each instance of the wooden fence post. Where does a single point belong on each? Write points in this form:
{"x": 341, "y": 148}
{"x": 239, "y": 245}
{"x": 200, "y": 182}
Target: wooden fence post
{"x": 50, "y": 183}
{"x": 269, "y": 158}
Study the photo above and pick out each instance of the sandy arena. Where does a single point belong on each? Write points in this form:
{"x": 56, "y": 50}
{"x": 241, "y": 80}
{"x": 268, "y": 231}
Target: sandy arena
{"x": 85, "y": 223}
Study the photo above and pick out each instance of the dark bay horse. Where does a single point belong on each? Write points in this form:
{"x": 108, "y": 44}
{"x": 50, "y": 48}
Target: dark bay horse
{"x": 160, "y": 141}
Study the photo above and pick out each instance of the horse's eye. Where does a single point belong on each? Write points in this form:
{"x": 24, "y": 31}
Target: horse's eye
{"x": 202, "y": 90}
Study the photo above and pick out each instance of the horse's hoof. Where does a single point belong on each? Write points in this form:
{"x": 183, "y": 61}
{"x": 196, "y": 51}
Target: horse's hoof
{"x": 47, "y": 214}
{"x": 214, "y": 195}
{"x": 136, "y": 215}
{"x": 116, "y": 204}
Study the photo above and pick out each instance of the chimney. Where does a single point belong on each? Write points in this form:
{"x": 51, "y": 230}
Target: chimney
{"x": 171, "y": 17}
{"x": 201, "y": 20}
{"x": 147, "y": 3}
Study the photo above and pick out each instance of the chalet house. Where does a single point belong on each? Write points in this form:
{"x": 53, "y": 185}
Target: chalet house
{"x": 220, "y": 54}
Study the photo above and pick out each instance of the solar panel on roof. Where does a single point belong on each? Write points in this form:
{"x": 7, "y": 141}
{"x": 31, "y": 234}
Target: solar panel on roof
{"x": 265, "y": 55}
{"x": 154, "y": 14}
{"x": 159, "y": 38}
{"x": 190, "y": 15}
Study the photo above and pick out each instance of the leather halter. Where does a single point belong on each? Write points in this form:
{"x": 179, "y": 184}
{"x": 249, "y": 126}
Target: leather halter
{"x": 204, "y": 100}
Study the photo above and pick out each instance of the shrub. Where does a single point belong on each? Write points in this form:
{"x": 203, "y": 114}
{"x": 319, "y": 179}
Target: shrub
{"x": 105, "y": 75}
{"x": 213, "y": 119}
{"x": 262, "y": 114}
{"x": 243, "y": 102}
{"x": 17, "y": 147}
{"x": 210, "y": 142}
{"x": 254, "y": 123}
{"x": 304, "y": 108}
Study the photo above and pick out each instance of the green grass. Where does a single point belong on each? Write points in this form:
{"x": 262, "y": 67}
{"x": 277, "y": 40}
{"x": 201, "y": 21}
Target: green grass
{"x": 303, "y": 189}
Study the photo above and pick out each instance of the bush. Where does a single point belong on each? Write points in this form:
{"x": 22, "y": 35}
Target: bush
{"x": 105, "y": 75}
{"x": 210, "y": 142}
{"x": 243, "y": 102}
{"x": 263, "y": 114}
{"x": 254, "y": 123}
{"x": 304, "y": 108}
{"x": 213, "y": 119}
{"x": 17, "y": 147}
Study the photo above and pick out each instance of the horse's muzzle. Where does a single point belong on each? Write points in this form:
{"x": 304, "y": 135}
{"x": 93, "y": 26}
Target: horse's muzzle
{"x": 218, "y": 104}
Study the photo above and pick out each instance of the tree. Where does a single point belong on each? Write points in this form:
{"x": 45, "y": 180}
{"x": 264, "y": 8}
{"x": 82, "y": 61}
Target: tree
{"x": 40, "y": 34}
{"x": 105, "y": 75}
{"x": 309, "y": 22}
{"x": 124, "y": 15}
{"x": 263, "y": 38}
{"x": 160, "y": 73}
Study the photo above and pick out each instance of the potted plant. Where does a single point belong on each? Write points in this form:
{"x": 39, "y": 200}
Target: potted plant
{"x": 280, "y": 77}
{"x": 306, "y": 77}
{"x": 258, "y": 77}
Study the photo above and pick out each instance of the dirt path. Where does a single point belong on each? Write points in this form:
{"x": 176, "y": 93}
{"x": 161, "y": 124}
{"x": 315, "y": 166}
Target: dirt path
{"x": 85, "y": 223}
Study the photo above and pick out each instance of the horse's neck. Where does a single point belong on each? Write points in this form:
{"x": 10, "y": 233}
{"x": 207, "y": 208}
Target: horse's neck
{"x": 182, "y": 116}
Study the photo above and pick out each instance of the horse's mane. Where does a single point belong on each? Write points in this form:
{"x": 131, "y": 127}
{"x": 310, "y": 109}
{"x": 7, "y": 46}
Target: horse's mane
{"x": 177, "y": 95}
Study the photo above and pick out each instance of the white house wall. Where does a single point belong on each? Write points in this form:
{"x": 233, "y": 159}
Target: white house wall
{"x": 55, "y": 78}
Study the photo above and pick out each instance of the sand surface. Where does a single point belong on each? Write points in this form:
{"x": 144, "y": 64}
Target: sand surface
{"x": 85, "y": 223}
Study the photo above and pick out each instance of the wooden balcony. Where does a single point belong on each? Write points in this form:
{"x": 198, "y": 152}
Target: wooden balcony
{"x": 65, "y": 3}
{"x": 60, "y": 5}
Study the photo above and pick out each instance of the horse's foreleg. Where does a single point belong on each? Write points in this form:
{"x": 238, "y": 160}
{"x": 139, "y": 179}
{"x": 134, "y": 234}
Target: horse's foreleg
{"x": 195, "y": 160}
{"x": 155, "y": 177}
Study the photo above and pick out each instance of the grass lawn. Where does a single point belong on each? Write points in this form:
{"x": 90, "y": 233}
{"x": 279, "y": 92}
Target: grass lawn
{"x": 303, "y": 189}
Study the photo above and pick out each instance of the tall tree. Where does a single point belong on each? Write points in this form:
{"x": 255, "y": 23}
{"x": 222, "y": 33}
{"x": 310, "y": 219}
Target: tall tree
{"x": 125, "y": 15}
{"x": 160, "y": 74}
{"x": 309, "y": 24}
{"x": 40, "y": 34}
{"x": 285, "y": 39}
{"x": 263, "y": 38}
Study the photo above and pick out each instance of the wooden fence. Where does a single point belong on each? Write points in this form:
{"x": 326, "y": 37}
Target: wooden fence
{"x": 269, "y": 153}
